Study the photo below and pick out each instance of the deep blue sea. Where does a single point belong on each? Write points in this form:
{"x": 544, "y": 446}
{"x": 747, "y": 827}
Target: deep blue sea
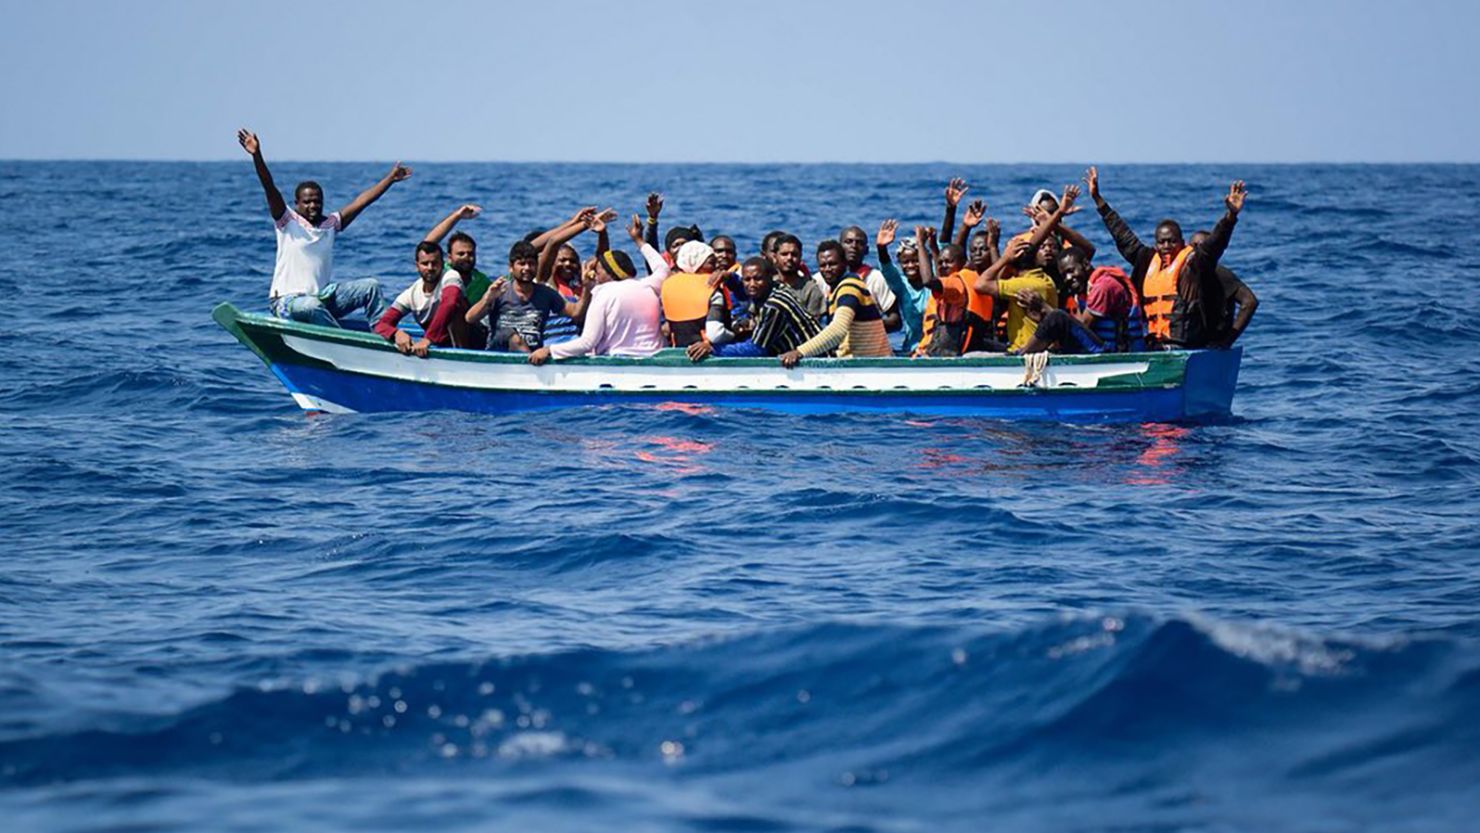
{"x": 218, "y": 613}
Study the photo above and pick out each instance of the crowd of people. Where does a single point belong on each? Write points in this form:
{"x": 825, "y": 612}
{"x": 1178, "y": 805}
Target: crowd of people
{"x": 937, "y": 293}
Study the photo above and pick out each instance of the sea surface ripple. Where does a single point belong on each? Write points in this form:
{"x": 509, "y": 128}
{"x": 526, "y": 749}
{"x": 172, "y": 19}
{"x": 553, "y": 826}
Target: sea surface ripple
{"x": 219, "y": 613}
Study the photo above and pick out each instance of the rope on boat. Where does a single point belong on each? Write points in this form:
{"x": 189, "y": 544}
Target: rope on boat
{"x": 1033, "y": 366}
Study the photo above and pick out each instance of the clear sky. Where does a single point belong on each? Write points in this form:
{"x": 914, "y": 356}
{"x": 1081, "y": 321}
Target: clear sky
{"x": 770, "y": 80}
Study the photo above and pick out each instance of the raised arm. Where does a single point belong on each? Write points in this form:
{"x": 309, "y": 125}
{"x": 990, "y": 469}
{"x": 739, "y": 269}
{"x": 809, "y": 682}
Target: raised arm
{"x": 1077, "y": 240}
{"x": 654, "y": 208}
{"x": 566, "y": 232}
{"x": 1130, "y": 246}
{"x": 974, "y": 214}
{"x": 1211, "y": 249}
{"x": 927, "y": 267}
{"x": 441, "y": 230}
{"x": 275, "y": 205}
{"x": 348, "y": 213}
{"x": 955, "y": 190}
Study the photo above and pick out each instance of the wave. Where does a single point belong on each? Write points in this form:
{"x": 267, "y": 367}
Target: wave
{"x": 843, "y": 704}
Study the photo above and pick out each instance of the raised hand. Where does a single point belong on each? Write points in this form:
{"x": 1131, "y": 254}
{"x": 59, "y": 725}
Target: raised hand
{"x": 1066, "y": 202}
{"x": 974, "y": 213}
{"x": 955, "y": 190}
{"x": 654, "y": 204}
{"x": 634, "y": 230}
{"x": 994, "y": 229}
{"x": 248, "y": 141}
{"x": 597, "y": 221}
{"x": 1235, "y": 199}
{"x": 497, "y": 287}
{"x": 468, "y": 212}
{"x": 1036, "y": 214}
{"x": 887, "y": 230}
{"x": 399, "y": 172}
{"x": 921, "y": 235}
{"x": 1092, "y": 181}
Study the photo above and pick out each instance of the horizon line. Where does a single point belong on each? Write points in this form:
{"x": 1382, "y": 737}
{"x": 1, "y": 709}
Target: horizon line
{"x": 733, "y": 162}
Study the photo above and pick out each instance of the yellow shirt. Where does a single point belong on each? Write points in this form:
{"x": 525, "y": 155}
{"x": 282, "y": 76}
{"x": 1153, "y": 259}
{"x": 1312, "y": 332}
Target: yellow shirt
{"x": 1019, "y": 326}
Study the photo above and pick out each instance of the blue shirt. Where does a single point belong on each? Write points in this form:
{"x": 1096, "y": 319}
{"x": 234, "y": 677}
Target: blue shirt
{"x": 911, "y": 304}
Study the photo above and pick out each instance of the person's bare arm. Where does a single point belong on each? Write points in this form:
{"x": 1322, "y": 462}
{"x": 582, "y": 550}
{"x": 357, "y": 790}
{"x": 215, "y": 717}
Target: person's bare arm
{"x": 275, "y": 204}
{"x": 476, "y": 312}
{"x": 974, "y": 214}
{"x": 927, "y": 266}
{"x": 1077, "y": 240}
{"x": 986, "y": 282}
{"x": 441, "y": 230}
{"x": 583, "y": 220}
{"x": 955, "y": 190}
{"x": 348, "y": 213}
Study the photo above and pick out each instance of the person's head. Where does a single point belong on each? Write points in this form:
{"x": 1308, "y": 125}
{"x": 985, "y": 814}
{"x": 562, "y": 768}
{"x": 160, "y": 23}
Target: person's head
{"x": 1074, "y": 268}
{"x": 978, "y": 251}
{"x": 695, "y": 257}
{"x": 855, "y": 245}
{"x": 950, "y": 260}
{"x": 768, "y": 243}
{"x": 567, "y": 268}
{"x": 1168, "y": 238}
{"x": 308, "y": 201}
{"x": 788, "y": 254}
{"x": 1046, "y": 257}
{"x": 429, "y": 261}
{"x": 908, "y": 255}
{"x": 1045, "y": 200}
{"x": 614, "y": 265}
{"x": 462, "y": 253}
{"x": 832, "y": 261}
{"x": 679, "y": 235}
{"x": 1198, "y": 237}
{"x": 524, "y": 259}
{"x": 758, "y": 276}
{"x": 725, "y": 254}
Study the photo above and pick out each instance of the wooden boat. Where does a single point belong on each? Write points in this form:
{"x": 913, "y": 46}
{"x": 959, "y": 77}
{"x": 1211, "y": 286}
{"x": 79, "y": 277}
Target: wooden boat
{"x": 339, "y": 371}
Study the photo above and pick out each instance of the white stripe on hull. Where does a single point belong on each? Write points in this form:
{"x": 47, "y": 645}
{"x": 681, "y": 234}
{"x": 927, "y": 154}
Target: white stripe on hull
{"x": 636, "y": 378}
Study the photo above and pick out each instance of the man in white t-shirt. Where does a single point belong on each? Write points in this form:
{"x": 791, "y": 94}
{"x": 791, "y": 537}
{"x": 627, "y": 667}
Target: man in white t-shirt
{"x": 436, "y": 302}
{"x": 303, "y": 288}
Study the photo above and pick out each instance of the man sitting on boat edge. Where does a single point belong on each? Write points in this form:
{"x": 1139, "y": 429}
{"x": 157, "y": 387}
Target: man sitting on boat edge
{"x": 302, "y": 286}
{"x": 436, "y": 302}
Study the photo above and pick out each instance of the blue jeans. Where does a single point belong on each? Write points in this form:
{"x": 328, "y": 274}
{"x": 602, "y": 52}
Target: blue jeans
{"x": 333, "y": 303}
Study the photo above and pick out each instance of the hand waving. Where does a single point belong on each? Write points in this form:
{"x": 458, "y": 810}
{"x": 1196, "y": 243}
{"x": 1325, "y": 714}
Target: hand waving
{"x": 955, "y": 190}
{"x": 654, "y": 204}
{"x": 1235, "y": 199}
{"x": 469, "y": 211}
{"x": 248, "y": 141}
{"x": 1066, "y": 202}
{"x": 887, "y": 230}
{"x": 974, "y": 213}
{"x": 1092, "y": 181}
{"x": 399, "y": 172}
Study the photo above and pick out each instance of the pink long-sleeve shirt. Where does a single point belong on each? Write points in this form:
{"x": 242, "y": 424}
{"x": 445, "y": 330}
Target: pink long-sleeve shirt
{"x": 623, "y": 316}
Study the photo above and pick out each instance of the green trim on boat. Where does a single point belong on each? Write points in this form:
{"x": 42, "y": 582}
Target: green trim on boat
{"x": 263, "y": 334}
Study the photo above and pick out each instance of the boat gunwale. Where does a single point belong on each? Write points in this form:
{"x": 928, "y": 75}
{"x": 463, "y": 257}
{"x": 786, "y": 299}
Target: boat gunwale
{"x": 237, "y": 321}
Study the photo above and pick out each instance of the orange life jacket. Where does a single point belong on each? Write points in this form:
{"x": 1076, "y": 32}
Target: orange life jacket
{"x": 951, "y": 329}
{"x": 686, "y": 306}
{"x": 1159, "y": 291}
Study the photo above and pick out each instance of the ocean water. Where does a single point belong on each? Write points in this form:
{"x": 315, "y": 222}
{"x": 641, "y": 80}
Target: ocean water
{"x": 217, "y": 613}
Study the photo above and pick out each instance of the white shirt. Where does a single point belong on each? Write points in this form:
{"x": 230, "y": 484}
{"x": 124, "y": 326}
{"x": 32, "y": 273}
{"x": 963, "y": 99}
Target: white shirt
{"x": 305, "y": 255}
{"x": 422, "y": 304}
